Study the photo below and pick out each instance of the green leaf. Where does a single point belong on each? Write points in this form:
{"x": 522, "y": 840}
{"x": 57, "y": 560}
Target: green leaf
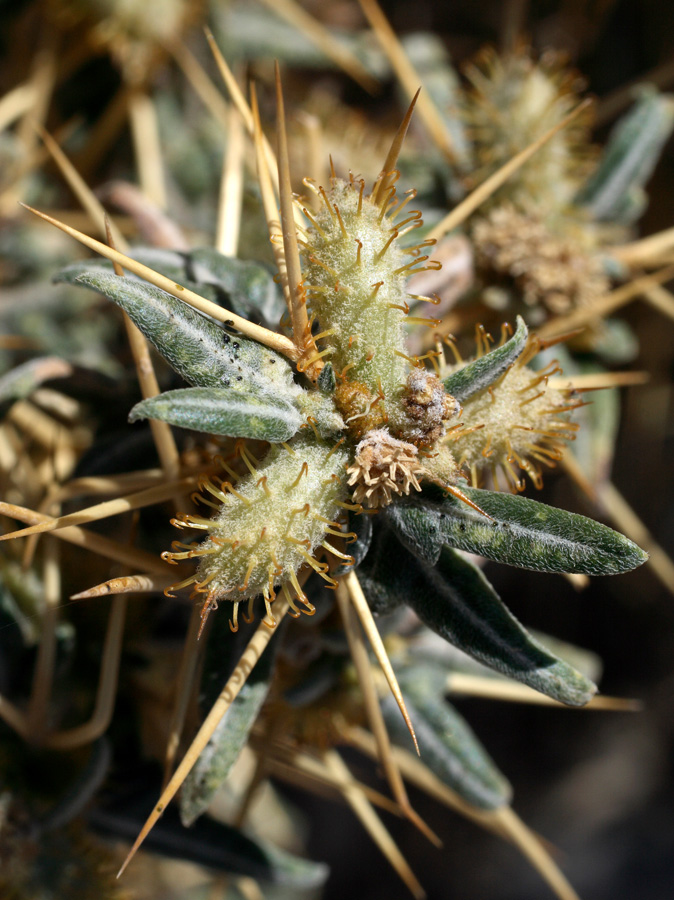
{"x": 450, "y": 749}
{"x": 201, "y": 351}
{"x": 520, "y": 532}
{"x": 388, "y": 573}
{"x": 26, "y": 378}
{"x": 227, "y": 741}
{"x": 245, "y": 287}
{"x": 168, "y": 262}
{"x": 216, "y": 846}
{"x": 479, "y": 374}
{"x": 223, "y": 651}
{"x": 455, "y": 600}
{"x": 222, "y": 411}
{"x": 614, "y": 190}
{"x": 326, "y": 380}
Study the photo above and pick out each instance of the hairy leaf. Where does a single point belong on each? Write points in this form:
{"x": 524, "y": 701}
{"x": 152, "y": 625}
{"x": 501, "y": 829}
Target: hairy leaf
{"x": 327, "y": 380}
{"x": 201, "y": 351}
{"x": 208, "y": 843}
{"x": 450, "y": 749}
{"x": 222, "y": 411}
{"x": 388, "y": 573}
{"x": 455, "y": 600}
{"x": 614, "y": 190}
{"x": 520, "y": 532}
{"x": 225, "y": 744}
{"x": 245, "y": 287}
{"x": 479, "y": 374}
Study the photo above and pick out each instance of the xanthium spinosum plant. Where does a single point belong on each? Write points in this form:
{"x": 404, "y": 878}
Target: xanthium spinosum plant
{"x": 342, "y": 438}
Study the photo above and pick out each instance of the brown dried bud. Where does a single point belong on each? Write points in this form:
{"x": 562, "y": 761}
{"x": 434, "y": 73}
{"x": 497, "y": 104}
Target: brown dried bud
{"x": 428, "y": 406}
{"x": 383, "y": 467}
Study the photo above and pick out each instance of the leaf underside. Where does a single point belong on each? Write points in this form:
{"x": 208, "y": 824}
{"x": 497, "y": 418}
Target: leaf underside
{"x": 450, "y": 748}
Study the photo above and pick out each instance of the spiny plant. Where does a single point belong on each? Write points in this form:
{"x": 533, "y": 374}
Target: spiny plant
{"x": 354, "y": 442}
{"x": 548, "y": 239}
{"x": 547, "y": 235}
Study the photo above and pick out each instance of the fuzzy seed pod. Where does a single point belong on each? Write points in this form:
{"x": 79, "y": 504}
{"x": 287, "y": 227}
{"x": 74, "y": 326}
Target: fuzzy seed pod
{"x": 355, "y": 279}
{"x": 514, "y": 101}
{"x": 518, "y": 422}
{"x": 270, "y": 524}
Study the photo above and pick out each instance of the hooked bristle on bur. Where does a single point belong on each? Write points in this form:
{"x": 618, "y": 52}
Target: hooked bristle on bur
{"x": 514, "y": 100}
{"x": 269, "y": 526}
{"x": 356, "y": 276}
{"x": 519, "y": 422}
{"x": 347, "y": 454}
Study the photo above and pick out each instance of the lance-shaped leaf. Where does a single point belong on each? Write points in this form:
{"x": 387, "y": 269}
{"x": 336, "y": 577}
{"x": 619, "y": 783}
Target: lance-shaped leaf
{"x": 201, "y": 351}
{"x": 212, "y": 410}
{"x": 450, "y": 749}
{"x": 245, "y": 287}
{"x": 614, "y": 190}
{"x": 223, "y": 651}
{"x": 520, "y": 532}
{"x": 208, "y": 843}
{"x": 455, "y": 600}
{"x": 458, "y": 603}
{"x": 168, "y": 262}
{"x": 385, "y": 573}
{"x": 479, "y": 374}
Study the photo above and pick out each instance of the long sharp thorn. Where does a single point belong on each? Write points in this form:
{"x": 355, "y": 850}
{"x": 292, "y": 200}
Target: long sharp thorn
{"x": 373, "y": 636}
{"x": 167, "y": 450}
{"x": 483, "y": 191}
{"x": 184, "y": 685}
{"x": 452, "y": 489}
{"x": 127, "y": 584}
{"x": 409, "y": 77}
{"x": 97, "y": 543}
{"x": 257, "y": 332}
{"x": 249, "y": 659}
{"x": 374, "y": 714}
{"x": 394, "y": 152}
{"x": 373, "y": 824}
{"x": 607, "y": 304}
{"x": 511, "y": 692}
{"x": 532, "y": 848}
{"x": 271, "y": 212}
{"x": 108, "y": 508}
{"x": 298, "y": 310}
{"x": 88, "y": 200}
{"x": 311, "y": 28}
{"x": 237, "y": 97}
